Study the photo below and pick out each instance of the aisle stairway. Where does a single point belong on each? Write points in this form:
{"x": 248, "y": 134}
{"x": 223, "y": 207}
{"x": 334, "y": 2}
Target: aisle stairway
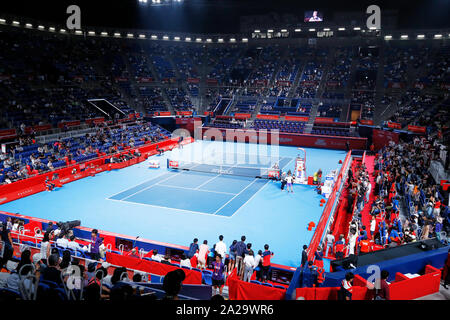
{"x": 369, "y": 162}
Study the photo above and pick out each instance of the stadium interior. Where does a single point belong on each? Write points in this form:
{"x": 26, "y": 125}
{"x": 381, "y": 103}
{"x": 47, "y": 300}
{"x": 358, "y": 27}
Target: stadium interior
{"x": 79, "y": 105}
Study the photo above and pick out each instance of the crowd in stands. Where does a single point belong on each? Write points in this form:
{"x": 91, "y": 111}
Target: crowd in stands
{"x": 422, "y": 109}
{"x": 339, "y": 73}
{"x": 29, "y": 158}
{"x": 57, "y": 265}
{"x": 37, "y": 93}
{"x": 365, "y": 102}
{"x": 401, "y": 203}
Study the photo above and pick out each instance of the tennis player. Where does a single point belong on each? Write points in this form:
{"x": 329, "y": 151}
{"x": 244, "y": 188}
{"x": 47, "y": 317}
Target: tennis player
{"x": 289, "y": 181}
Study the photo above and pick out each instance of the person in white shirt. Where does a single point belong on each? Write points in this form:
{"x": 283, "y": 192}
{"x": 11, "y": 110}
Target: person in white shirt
{"x": 373, "y": 224}
{"x": 221, "y": 247}
{"x": 62, "y": 242}
{"x": 330, "y": 242}
{"x": 289, "y": 181}
{"x": 155, "y": 256}
{"x": 249, "y": 265}
{"x": 258, "y": 266}
{"x": 202, "y": 252}
{"x": 185, "y": 261}
{"x": 45, "y": 246}
{"x": 352, "y": 243}
{"x": 72, "y": 244}
{"x": 15, "y": 226}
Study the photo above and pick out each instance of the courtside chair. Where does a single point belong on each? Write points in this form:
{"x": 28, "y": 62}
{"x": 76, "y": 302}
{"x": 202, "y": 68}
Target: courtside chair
{"x": 267, "y": 284}
{"x": 207, "y": 277}
{"x": 279, "y": 287}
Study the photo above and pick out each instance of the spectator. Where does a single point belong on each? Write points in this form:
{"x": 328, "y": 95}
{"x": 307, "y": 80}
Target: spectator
{"x": 66, "y": 260}
{"x": 155, "y": 256}
{"x": 185, "y": 261}
{"x": 96, "y": 241}
{"x": 72, "y": 244}
{"x": 62, "y": 242}
{"x": 220, "y": 247}
{"x": 308, "y": 276}
{"x": 24, "y": 268}
{"x": 383, "y": 293}
{"x": 218, "y": 274}
{"x": 330, "y": 242}
{"x": 166, "y": 259}
{"x": 259, "y": 266}
{"x": 172, "y": 284}
{"x": 203, "y": 255}
{"x": 266, "y": 256}
{"x": 339, "y": 247}
{"x": 52, "y": 273}
{"x": 8, "y": 249}
{"x": 232, "y": 260}
{"x": 240, "y": 248}
{"x": 45, "y": 246}
{"x": 249, "y": 265}
{"x": 346, "y": 289}
{"x": 193, "y": 247}
{"x": 304, "y": 256}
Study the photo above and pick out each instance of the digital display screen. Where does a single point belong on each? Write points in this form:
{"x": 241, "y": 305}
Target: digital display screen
{"x": 127, "y": 244}
{"x": 175, "y": 254}
{"x": 280, "y": 276}
{"x": 313, "y": 16}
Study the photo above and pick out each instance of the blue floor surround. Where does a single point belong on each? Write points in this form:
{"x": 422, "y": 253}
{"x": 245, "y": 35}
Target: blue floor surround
{"x": 176, "y": 206}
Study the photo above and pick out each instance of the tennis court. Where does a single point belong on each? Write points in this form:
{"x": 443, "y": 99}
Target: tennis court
{"x": 187, "y": 190}
{"x": 175, "y": 206}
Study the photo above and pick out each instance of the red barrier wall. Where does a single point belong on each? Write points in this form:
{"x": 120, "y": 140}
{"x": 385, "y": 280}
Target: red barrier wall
{"x": 192, "y": 277}
{"x": 404, "y": 288}
{"x": 330, "y": 293}
{"x": 417, "y": 129}
{"x": 323, "y": 120}
{"x": 394, "y": 125}
{"x": 292, "y": 139}
{"x": 268, "y": 116}
{"x": 296, "y": 118}
{"x": 35, "y": 184}
{"x": 242, "y": 115}
{"x": 240, "y": 290}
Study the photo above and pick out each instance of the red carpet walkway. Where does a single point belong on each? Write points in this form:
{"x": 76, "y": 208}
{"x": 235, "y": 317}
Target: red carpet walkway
{"x": 366, "y": 217}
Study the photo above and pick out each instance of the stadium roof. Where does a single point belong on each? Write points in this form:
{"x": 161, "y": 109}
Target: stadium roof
{"x": 218, "y": 16}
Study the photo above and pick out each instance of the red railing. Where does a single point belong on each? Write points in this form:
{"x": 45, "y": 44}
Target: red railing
{"x": 328, "y": 210}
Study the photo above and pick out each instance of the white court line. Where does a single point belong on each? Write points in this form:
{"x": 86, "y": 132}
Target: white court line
{"x": 168, "y": 208}
{"x": 206, "y": 182}
{"x": 152, "y": 185}
{"x": 186, "y": 188}
{"x": 254, "y": 195}
{"x": 234, "y": 197}
{"x": 138, "y": 184}
{"x": 209, "y": 180}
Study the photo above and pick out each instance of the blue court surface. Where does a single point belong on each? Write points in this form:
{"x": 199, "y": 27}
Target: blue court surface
{"x": 174, "y": 206}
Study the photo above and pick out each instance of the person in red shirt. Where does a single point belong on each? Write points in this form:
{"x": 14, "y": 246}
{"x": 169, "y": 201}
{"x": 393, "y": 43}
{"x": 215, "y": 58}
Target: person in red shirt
{"x": 364, "y": 246}
{"x": 339, "y": 247}
{"x": 346, "y": 290}
{"x": 266, "y": 262}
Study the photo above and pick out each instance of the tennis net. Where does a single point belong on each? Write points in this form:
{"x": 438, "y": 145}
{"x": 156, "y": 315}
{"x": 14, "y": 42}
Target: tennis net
{"x": 235, "y": 170}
